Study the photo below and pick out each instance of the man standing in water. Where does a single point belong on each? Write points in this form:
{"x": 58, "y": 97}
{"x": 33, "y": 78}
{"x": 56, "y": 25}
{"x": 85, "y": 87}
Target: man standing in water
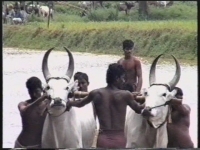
{"x": 110, "y": 104}
{"x": 178, "y": 127}
{"x": 132, "y": 66}
{"x": 33, "y": 116}
{"x": 83, "y": 83}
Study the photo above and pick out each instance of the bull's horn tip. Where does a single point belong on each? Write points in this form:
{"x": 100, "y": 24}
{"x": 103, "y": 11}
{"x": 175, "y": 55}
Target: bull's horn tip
{"x": 66, "y": 48}
{"x": 173, "y": 56}
{"x": 52, "y": 48}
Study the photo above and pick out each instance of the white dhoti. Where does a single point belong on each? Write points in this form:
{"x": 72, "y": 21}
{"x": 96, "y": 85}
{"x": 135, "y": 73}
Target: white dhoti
{"x": 17, "y": 20}
{"x": 18, "y": 145}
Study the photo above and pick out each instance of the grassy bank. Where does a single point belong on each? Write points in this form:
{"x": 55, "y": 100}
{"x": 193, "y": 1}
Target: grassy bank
{"x": 178, "y": 11}
{"x": 152, "y": 38}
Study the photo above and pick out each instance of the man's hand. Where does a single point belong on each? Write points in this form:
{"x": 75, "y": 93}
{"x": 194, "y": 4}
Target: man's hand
{"x": 146, "y": 112}
{"x": 46, "y": 96}
{"x": 167, "y": 102}
{"x": 75, "y": 87}
{"x": 68, "y": 107}
{"x": 135, "y": 94}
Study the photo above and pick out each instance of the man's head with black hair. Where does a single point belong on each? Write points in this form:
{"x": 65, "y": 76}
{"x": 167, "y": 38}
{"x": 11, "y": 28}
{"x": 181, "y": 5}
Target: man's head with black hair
{"x": 83, "y": 81}
{"x": 115, "y": 75}
{"x": 128, "y": 46}
{"x": 34, "y": 86}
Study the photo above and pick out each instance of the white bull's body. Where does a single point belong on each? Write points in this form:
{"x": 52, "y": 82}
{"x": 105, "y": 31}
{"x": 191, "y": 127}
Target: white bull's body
{"x": 69, "y": 130}
{"x": 88, "y": 124}
{"x": 44, "y": 11}
{"x": 65, "y": 129}
{"x": 151, "y": 132}
{"x": 140, "y": 134}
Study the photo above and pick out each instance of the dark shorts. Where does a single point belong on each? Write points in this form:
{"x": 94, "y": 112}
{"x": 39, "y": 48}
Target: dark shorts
{"x": 129, "y": 87}
{"x": 111, "y": 139}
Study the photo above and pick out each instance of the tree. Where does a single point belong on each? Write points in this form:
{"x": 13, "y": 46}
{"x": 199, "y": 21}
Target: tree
{"x": 143, "y": 9}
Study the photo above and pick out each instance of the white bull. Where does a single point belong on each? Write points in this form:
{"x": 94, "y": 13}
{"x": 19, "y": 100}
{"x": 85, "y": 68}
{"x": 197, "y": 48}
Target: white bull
{"x": 163, "y": 3}
{"x": 65, "y": 129}
{"x": 44, "y": 11}
{"x": 152, "y": 132}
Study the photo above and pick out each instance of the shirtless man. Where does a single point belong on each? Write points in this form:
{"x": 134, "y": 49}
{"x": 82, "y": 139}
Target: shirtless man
{"x": 33, "y": 116}
{"x": 110, "y": 104}
{"x": 178, "y": 130}
{"x": 132, "y": 66}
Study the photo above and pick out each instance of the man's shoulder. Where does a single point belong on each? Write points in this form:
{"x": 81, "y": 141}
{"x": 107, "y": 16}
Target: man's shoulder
{"x": 136, "y": 59}
{"x": 96, "y": 91}
{"x": 24, "y": 102}
{"x": 124, "y": 92}
{"x": 120, "y": 60}
{"x": 186, "y": 106}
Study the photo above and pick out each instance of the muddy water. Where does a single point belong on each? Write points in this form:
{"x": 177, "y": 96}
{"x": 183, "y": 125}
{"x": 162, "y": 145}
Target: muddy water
{"x": 19, "y": 65}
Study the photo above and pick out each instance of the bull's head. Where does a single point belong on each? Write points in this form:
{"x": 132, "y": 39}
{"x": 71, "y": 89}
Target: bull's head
{"x": 159, "y": 94}
{"x": 58, "y": 88}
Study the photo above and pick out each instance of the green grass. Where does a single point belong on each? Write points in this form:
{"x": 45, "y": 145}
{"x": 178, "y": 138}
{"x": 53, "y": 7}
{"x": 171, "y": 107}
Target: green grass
{"x": 178, "y": 11}
{"x": 171, "y": 30}
{"x": 179, "y": 26}
{"x": 152, "y": 38}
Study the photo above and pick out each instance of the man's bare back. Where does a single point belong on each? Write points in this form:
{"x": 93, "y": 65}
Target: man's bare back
{"x": 110, "y": 108}
{"x": 178, "y": 130}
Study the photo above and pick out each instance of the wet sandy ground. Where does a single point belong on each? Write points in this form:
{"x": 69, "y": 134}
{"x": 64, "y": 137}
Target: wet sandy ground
{"x": 19, "y": 65}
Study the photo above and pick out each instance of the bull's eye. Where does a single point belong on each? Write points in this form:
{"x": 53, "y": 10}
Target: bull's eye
{"x": 48, "y": 87}
{"x": 164, "y": 94}
{"x": 145, "y": 93}
{"x": 67, "y": 88}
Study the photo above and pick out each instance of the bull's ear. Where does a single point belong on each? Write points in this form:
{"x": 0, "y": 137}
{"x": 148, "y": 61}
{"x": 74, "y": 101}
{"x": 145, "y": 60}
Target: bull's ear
{"x": 171, "y": 94}
{"x": 44, "y": 86}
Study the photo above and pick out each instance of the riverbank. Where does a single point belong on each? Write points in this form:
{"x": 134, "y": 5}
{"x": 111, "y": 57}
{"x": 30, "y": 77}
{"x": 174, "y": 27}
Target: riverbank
{"x": 151, "y": 37}
{"x": 144, "y": 60}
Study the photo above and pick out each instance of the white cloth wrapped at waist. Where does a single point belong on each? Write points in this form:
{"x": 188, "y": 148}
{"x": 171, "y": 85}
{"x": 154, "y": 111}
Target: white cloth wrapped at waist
{"x": 17, "y": 19}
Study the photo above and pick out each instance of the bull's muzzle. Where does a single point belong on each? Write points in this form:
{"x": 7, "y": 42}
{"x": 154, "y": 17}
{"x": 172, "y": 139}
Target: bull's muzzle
{"x": 57, "y": 102}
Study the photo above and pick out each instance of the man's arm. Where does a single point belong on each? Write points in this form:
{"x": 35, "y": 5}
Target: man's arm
{"x": 183, "y": 109}
{"x": 23, "y": 106}
{"x": 133, "y": 104}
{"x": 139, "y": 75}
{"x": 82, "y": 101}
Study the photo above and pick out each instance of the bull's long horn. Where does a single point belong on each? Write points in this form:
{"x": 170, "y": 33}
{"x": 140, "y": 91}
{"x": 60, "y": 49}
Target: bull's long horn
{"x": 70, "y": 69}
{"x": 177, "y": 75}
{"x": 45, "y": 68}
{"x": 152, "y": 75}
